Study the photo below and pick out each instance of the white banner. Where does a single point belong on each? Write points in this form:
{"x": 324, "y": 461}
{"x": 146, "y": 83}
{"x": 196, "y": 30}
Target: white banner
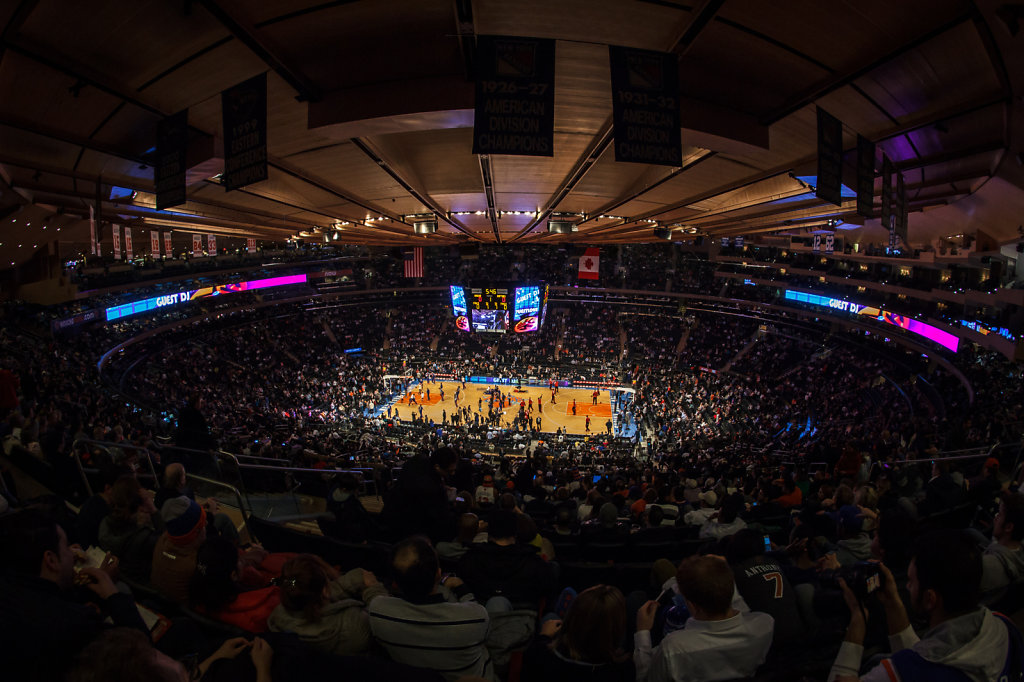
{"x": 168, "y": 251}
{"x": 211, "y": 244}
{"x": 128, "y": 242}
{"x": 117, "y": 241}
{"x": 197, "y": 245}
{"x": 154, "y": 244}
{"x": 92, "y": 231}
{"x": 250, "y": 245}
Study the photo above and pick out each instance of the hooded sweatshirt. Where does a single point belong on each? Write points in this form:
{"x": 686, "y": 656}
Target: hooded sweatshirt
{"x": 1001, "y": 567}
{"x": 975, "y": 644}
{"x": 343, "y": 627}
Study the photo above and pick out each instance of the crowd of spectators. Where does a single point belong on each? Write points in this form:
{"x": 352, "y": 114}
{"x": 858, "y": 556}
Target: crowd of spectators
{"x": 766, "y": 478}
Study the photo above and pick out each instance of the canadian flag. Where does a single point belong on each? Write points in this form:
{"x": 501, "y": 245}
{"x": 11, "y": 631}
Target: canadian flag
{"x": 589, "y": 262}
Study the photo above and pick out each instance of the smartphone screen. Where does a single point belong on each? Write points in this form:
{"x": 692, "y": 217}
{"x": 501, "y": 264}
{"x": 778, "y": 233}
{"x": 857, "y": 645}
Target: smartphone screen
{"x": 767, "y": 544}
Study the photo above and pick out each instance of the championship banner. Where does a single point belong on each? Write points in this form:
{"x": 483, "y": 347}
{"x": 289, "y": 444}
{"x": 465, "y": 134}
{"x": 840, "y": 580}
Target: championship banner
{"x": 725, "y": 242}
{"x": 515, "y": 96}
{"x": 211, "y": 244}
{"x": 645, "y": 106}
{"x": 885, "y": 215}
{"x": 865, "y": 177}
{"x": 154, "y": 244}
{"x": 128, "y": 243}
{"x": 169, "y": 170}
{"x": 739, "y": 242}
{"x": 197, "y": 245}
{"x": 244, "y": 108}
{"x": 901, "y": 209}
{"x": 168, "y": 251}
{"x": 116, "y": 229}
{"x": 817, "y": 242}
{"x": 250, "y": 245}
{"x": 830, "y": 158}
{"x": 92, "y": 232}
{"x": 830, "y": 241}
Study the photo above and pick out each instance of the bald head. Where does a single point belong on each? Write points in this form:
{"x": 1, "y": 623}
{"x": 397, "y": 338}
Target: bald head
{"x": 415, "y": 567}
{"x": 174, "y": 476}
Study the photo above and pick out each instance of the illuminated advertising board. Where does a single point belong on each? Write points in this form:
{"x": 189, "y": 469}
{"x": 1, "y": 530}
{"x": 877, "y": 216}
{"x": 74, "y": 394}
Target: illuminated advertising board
{"x": 458, "y": 300}
{"x": 943, "y": 338}
{"x": 170, "y": 300}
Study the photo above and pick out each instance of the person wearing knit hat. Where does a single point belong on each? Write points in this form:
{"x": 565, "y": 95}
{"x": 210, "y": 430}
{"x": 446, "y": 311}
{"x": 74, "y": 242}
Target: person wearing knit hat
{"x": 174, "y": 558}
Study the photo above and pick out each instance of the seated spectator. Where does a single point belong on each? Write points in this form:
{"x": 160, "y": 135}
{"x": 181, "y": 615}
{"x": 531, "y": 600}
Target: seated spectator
{"x": 325, "y": 608}
{"x": 352, "y": 523}
{"x": 44, "y": 619}
{"x": 174, "y": 485}
{"x": 216, "y": 592}
{"x": 963, "y": 642}
{"x": 1003, "y": 560}
{"x": 469, "y": 529}
{"x": 96, "y": 508}
{"x": 791, "y": 495}
{"x": 539, "y": 507}
{"x": 132, "y": 528}
{"x": 854, "y": 543}
{"x": 653, "y": 529}
{"x": 719, "y": 642}
{"x": 504, "y": 567}
{"x": 422, "y": 627}
{"x": 698, "y": 517}
{"x": 586, "y": 645}
{"x": 726, "y": 521}
{"x": 589, "y": 509}
{"x": 485, "y": 494}
{"x": 942, "y": 491}
{"x": 606, "y": 527}
{"x": 174, "y": 557}
{"x": 125, "y": 655}
{"x": 763, "y": 585}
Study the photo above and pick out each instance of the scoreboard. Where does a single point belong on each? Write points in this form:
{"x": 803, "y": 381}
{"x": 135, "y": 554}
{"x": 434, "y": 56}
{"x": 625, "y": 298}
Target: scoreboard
{"x": 498, "y": 308}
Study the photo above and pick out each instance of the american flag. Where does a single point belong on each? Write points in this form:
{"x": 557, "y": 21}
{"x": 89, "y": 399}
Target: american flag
{"x": 414, "y": 262}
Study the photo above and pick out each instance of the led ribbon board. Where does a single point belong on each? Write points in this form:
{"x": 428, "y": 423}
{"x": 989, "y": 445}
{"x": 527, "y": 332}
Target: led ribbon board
{"x": 169, "y": 300}
{"x": 943, "y": 338}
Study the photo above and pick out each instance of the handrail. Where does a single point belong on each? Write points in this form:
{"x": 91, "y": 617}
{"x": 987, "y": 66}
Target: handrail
{"x": 227, "y": 486}
{"x": 106, "y": 445}
{"x": 301, "y": 469}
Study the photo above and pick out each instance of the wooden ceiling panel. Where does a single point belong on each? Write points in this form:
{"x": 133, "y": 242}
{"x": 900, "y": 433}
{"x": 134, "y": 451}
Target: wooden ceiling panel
{"x": 649, "y": 26}
{"x": 735, "y": 69}
{"x": 131, "y": 40}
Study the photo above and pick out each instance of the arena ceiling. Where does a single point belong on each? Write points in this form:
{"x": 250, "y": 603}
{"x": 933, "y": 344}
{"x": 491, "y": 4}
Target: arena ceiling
{"x": 370, "y": 115}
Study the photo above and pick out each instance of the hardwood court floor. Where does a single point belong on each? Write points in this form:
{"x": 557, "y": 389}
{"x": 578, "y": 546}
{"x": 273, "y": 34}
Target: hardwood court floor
{"x": 552, "y": 417}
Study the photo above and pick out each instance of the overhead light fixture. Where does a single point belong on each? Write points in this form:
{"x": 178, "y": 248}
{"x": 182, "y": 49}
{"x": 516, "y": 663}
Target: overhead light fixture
{"x": 561, "y": 227}
{"x": 662, "y": 233}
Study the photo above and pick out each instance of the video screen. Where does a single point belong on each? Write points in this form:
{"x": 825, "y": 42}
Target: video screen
{"x": 490, "y": 320}
{"x": 458, "y": 300}
{"x": 527, "y": 302}
{"x": 527, "y": 324}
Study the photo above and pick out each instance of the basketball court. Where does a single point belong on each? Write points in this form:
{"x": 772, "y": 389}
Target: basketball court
{"x": 474, "y": 396}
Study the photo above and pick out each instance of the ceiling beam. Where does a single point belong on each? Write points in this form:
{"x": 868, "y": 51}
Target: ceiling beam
{"x": 416, "y": 194}
{"x": 487, "y": 178}
{"x": 248, "y": 35}
{"x": 34, "y": 127}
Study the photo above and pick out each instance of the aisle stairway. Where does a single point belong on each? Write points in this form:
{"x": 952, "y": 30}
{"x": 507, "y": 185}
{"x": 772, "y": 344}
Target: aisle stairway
{"x": 743, "y": 351}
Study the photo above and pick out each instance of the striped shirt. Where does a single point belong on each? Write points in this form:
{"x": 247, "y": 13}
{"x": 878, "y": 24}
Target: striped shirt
{"x": 443, "y": 636}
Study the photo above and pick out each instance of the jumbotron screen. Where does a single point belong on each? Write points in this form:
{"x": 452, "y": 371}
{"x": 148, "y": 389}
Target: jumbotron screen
{"x": 499, "y": 308}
